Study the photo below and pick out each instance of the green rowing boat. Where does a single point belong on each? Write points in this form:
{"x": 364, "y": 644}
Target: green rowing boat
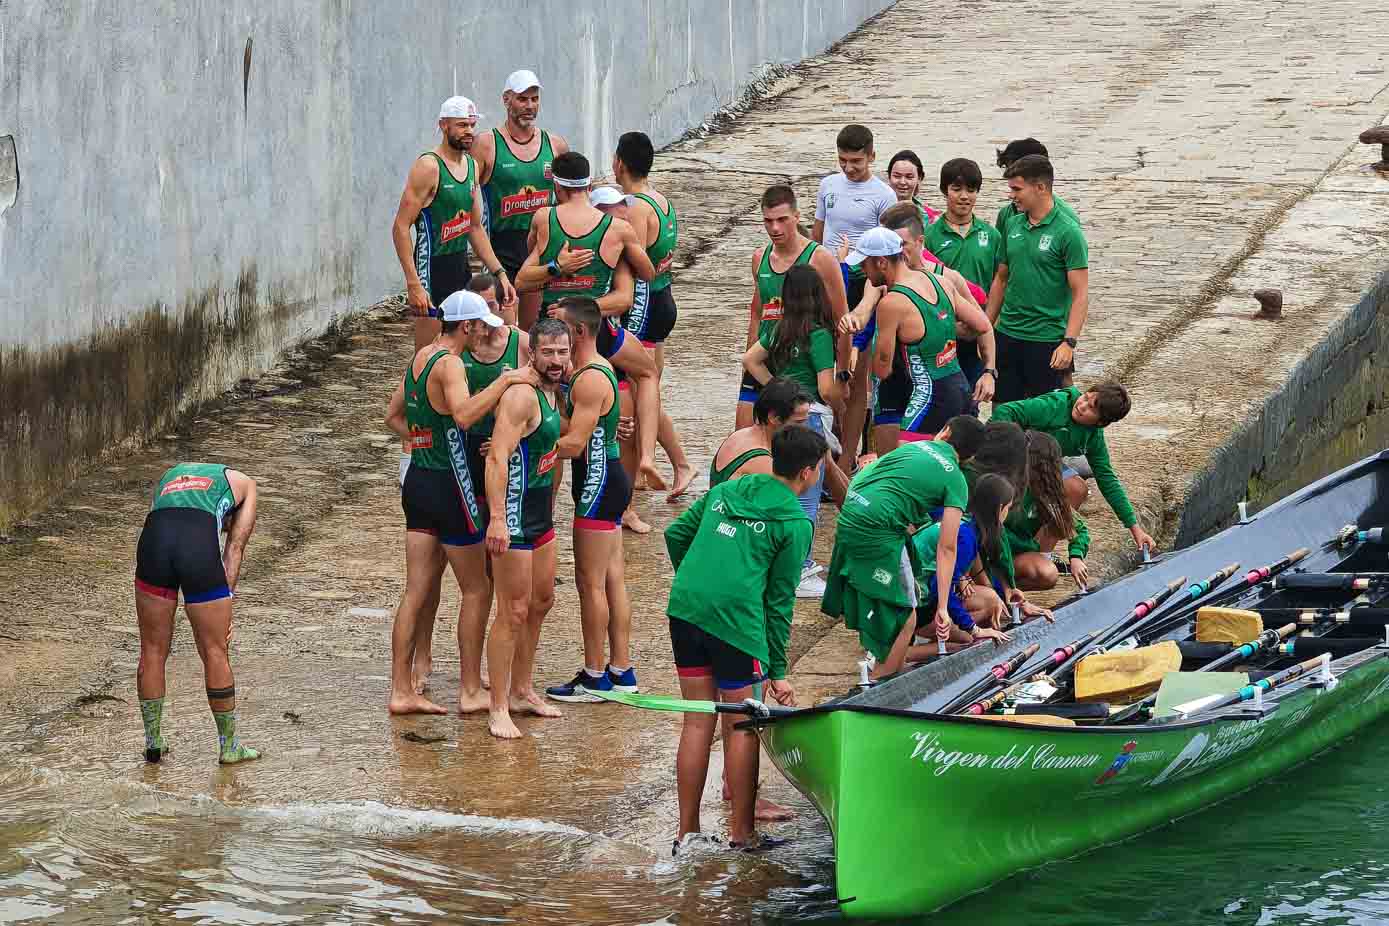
{"x": 927, "y": 804}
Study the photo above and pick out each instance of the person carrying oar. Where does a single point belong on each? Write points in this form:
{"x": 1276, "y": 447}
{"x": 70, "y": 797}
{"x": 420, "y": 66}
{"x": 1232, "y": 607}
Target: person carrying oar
{"x": 873, "y": 569}
{"x": 737, "y": 554}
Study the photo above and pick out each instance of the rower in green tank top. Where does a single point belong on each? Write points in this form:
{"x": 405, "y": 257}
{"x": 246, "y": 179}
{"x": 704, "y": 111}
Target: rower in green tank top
{"x": 517, "y": 188}
{"x": 200, "y": 486}
{"x": 481, "y": 375}
{"x": 721, "y": 474}
{"x": 593, "y": 281}
{"x": 769, "y": 283}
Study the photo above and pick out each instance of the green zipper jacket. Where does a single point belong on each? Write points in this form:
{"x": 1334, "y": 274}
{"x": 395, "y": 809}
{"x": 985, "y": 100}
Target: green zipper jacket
{"x": 1051, "y": 413}
{"x": 737, "y": 554}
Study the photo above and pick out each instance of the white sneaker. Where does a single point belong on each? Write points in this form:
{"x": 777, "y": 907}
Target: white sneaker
{"x": 811, "y": 585}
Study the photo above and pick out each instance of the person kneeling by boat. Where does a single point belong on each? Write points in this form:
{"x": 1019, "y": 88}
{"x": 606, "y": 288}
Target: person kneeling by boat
{"x": 872, "y": 574}
{"x": 1042, "y": 518}
{"x": 976, "y": 610}
{"x": 737, "y": 554}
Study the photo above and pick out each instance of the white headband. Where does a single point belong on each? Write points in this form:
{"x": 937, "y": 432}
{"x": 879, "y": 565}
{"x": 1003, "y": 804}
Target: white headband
{"x": 580, "y": 184}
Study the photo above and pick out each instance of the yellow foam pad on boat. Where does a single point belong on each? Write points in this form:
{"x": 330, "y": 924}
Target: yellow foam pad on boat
{"x": 1126, "y": 675}
{"x": 1227, "y": 625}
{"x": 1040, "y": 720}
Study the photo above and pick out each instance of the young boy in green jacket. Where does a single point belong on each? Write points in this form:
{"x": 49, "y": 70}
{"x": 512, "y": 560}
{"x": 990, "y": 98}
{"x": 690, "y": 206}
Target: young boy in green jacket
{"x": 737, "y": 554}
{"x": 1077, "y": 420}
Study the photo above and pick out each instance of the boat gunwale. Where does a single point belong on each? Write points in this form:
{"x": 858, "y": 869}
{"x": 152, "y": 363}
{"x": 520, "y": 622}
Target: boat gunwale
{"x": 1241, "y": 711}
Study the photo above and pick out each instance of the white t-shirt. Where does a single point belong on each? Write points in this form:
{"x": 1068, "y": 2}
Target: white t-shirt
{"x": 849, "y": 209}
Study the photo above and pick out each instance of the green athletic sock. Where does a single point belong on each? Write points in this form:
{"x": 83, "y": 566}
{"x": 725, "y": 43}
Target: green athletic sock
{"x": 151, "y": 713}
{"x": 231, "y": 750}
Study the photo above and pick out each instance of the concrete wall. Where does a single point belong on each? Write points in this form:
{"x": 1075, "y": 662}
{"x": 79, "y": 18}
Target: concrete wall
{"x": 202, "y": 184}
{"x": 1331, "y": 411}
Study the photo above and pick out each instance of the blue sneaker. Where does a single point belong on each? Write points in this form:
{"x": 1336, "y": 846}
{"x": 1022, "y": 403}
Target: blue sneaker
{"x": 579, "y": 689}
{"x": 626, "y": 680}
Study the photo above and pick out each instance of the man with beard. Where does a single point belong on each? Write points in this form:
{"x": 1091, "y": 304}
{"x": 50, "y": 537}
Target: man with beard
{"x": 441, "y": 202}
{"x": 513, "y": 165}
{"x": 600, "y": 490}
{"x": 431, "y": 408}
{"x": 521, "y": 530}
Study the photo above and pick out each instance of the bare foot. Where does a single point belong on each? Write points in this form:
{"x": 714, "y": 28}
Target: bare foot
{"x": 502, "y": 726}
{"x": 770, "y": 811}
{"x": 413, "y": 704}
{"x": 633, "y": 522}
{"x": 532, "y": 703}
{"x": 473, "y": 703}
{"x": 654, "y": 479}
{"x": 684, "y": 475}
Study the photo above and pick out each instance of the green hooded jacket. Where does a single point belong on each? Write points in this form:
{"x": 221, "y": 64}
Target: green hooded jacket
{"x": 737, "y": 554}
{"x": 1051, "y": 412}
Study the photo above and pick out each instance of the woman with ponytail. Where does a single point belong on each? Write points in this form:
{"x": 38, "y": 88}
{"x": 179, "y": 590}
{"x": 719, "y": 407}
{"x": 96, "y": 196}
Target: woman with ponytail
{"x": 1043, "y": 518}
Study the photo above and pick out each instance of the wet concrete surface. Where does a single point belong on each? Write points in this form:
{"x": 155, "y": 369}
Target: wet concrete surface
{"x": 1209, "y": 149}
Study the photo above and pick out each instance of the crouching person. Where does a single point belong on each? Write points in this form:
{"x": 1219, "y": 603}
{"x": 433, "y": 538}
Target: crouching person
{"x": 737, "y": 554}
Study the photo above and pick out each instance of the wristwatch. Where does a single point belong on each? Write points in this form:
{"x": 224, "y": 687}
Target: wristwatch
{"x": 1071, "y": 342}
{"x": 552, "y": 268}
{"x": 844, "y": 376}
{"x": 991, "y": 372}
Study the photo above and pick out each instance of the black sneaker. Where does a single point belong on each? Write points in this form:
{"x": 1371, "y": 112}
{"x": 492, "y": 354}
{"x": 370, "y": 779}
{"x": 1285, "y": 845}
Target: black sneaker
{"x": 760, "y": 843}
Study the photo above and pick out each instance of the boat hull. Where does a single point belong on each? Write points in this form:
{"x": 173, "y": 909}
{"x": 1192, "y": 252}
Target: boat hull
{"x": 926, "y": 809}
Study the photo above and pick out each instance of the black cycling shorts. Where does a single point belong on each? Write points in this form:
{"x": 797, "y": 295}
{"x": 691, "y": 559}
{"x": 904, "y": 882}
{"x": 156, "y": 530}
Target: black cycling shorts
{"x": 512, "y": 249}
{"x": 434, "y": 503}
{"x": 651, "y": 318}
{"x": 178, "y": 549}
{"x": 448, "y": 274}
{"x": 700, "y": 654}
{"x": 600, "y": 494}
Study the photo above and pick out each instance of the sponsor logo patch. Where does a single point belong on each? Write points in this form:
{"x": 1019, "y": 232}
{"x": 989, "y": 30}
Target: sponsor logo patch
{"x": 421, "y": 438}
{"x": 665, "y": 263}
{"x": 187, "y": 484}
{"x": 771, "y": 311}
{"x": 525, "y": 200}
{"x": 588, "y": 281}
{"x": 460, "y": 224}
{"x": 547, "y": 463}
{"x": 947, "y": 353}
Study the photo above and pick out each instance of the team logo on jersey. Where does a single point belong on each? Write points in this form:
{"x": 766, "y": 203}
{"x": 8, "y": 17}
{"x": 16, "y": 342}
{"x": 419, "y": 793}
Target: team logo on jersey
{"x": 983, "y": 237}
{"x": 1044, "y": 243}
{"x": 187, "y": 484}
{"x": 947, "y": 353}
{"x": 587, "y": 281}
{"x": 525, "y": 200}
{"x": 460, "y": 224}
{"x": 549, "y": 175}
{"x": 829, "y": 201}
{"x": 547, "y": 463}
{"x": 882, "y": 576}
{"x": 771, "y": 310}
{"x": 421, "y": 438}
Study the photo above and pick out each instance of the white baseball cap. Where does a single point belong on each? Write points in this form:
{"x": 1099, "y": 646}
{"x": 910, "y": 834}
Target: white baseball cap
{"x": 521, "y": 81}
{"x": 607, "y": 196}
{"x": 876, "y": 242}
{"x": 465, "y": 306}
{"x": 459, "y": 107}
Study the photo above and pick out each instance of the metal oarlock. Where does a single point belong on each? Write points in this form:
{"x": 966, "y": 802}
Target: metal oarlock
{"x": 1324, "y": 676}
{"x": 1244, "y": 512}
{"x": 1385, "y": 644}
{"x": 1147, "y": 555}
{"x": 1017, "y": 613}
{"x": 1258, "y": 697}
{"x": 865, "y": 666}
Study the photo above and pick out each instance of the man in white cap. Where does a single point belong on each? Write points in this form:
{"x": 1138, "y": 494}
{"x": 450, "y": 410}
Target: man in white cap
{"x": 431, "y": 409}
{"x": 916, "y": 318}
{"x": 441, "y": 202}
{"x": 513, "y": 164}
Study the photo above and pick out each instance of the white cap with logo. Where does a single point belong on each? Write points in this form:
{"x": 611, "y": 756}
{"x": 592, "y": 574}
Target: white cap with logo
{"x": 876, "y": 242}
{"x": 465, "y": 306}
{"x": 607, "y": 196}
{"x": 521, "y": 81}
{"x": 459, "y": 107}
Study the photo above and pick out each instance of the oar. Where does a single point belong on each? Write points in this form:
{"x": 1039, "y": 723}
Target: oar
{"x": 1303, "y": 647}
{"x": 1129, "y": 622}
{"x": 1308, "y": 616}
{"x": 997, "y": 675}
{"x": 1350, "y": 535}
{"x": 1191, "y": 595}
{"x": 1331, "y": 581}
{"x": 1242, "y": 653}
{"x": 1216, "y": 702}
{"x": 1251, "y": 578}
{"x": 1057, "y": 657}
{"x": 749, "y": 707}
